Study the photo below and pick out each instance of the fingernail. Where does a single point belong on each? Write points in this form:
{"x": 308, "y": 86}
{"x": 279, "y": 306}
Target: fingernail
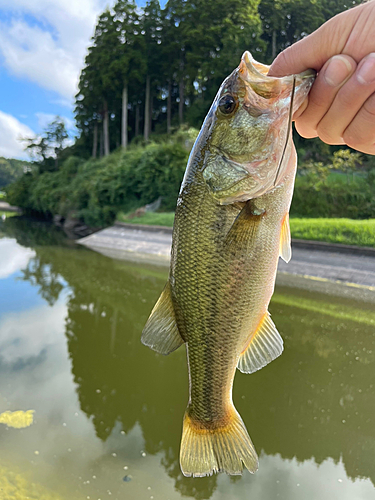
{"x": 366, "y": 71}
{"x": 337, "y": 71}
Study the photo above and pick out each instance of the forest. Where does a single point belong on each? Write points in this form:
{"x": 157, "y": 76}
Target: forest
{"x": 151, "y": 70}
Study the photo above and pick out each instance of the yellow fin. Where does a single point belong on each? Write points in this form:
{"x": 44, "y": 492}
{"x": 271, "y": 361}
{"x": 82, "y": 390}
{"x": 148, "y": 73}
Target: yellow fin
{"x": 285, "y": 240}
{"x": 161, "y": 332}
{"x": 205, "y": 451}
{"x": 265, "y": 345}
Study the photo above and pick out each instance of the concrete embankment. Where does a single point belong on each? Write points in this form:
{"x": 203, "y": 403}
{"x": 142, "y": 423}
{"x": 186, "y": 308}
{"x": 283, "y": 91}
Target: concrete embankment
{"x": 336, "y": 269}
{"x": 5, "y": 207}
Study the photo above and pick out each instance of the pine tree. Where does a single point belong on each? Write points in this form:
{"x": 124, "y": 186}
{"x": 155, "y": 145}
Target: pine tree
{"x": 97, "y": 87}
{"x": 151, "y": 30}
{"x": 128, "y": 65}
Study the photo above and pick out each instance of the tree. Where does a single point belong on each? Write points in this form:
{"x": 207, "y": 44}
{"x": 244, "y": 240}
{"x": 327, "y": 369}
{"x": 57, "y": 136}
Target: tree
{"x": 129, "y": 60}
{"x": 347, "y": 161}
{"x": 46, "y": 149}
{"x": 96, "y": 87}
{"x": 11, "y": 169}
{"x": 216, "y": 33}
{"x": 151, "y": 27}
{"x": 56, "y": 138}
{"x": 286, "y": 21}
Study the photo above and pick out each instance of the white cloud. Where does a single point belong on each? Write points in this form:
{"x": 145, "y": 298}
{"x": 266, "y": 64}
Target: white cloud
{"x": 49, "y": 52}
{"x": 11, "y": 132}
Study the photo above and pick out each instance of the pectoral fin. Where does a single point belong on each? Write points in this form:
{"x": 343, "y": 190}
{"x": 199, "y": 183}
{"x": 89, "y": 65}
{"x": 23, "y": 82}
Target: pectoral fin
{"x": 244, "y": 228}
{"x": 161, "y": 332}
{"x": 265, "y": 345}
{"x": 285, "y": 240}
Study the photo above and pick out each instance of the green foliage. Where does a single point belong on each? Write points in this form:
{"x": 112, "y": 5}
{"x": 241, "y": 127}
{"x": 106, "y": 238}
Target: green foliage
{"x": 5, "y": 215}
{"x": 46, "y": 149}
{"x": 10, "y": 170}
{"x": 96, "y": 190}
{"x": 332, "y": 199}
{"x": 185, "y": 50}
{"x": 343, "y": 231}
{"x": 321, "y": 190}
{"x": 19, "y": 192}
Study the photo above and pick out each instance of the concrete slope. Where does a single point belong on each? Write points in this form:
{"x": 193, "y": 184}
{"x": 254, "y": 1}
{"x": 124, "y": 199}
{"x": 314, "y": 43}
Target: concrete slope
{"x": 322, "y": 264}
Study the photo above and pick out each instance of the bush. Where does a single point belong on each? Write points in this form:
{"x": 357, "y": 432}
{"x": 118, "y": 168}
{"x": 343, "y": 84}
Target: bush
{"x": 96, "y": 190}
{"x": 332, "y": 200}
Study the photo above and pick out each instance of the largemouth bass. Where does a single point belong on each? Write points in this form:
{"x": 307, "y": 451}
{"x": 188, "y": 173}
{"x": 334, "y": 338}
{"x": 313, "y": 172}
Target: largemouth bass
{"x": 231, "y": 225}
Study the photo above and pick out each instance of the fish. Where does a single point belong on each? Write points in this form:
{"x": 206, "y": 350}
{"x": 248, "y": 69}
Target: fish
{"x": 231, "y": 225}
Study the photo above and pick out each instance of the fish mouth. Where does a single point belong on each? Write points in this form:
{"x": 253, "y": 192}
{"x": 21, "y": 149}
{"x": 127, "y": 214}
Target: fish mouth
{"x": 255, "y": 74}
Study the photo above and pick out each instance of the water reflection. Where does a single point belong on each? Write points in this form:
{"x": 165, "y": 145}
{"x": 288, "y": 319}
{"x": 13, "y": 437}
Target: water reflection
{"x": 13, "y": 257}
{"x": 314, "y": 405}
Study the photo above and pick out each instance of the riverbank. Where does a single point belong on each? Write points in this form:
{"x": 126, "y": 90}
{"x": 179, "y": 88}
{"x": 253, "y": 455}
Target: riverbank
{"x": 341, "y": 231}
{"x": 336, "y": 269}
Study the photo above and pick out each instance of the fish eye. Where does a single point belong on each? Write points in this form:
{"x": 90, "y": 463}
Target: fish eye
{"x": 227, "y": 104}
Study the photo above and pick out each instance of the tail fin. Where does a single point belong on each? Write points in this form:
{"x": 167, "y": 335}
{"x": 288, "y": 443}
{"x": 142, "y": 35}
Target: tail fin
{"x": 207, "y": 450}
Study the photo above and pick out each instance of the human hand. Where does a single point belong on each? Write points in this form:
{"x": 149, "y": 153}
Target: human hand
{"x": 340, "y": 108}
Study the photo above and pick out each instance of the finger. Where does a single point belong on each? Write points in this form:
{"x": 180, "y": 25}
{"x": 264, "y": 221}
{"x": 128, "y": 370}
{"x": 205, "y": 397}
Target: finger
{"x": 314, "y": 50}
{"x": 334, "y": 74}
{"x": 360, "y": 134}
{"x": 350, "y": 32}
{"x": 348, "y": 101}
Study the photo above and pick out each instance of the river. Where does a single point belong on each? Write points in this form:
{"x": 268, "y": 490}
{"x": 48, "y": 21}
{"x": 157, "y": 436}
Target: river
{"x": 108, "y": 411}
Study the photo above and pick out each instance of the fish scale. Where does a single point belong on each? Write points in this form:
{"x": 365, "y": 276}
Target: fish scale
{"x": 231, "y": 225}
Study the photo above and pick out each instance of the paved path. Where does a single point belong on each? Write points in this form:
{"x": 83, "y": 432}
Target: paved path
{"x": 346, "y": 266}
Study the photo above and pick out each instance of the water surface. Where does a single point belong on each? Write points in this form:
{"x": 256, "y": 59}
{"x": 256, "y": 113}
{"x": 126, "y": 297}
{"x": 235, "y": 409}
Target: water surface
{"x": 108, "y": 411}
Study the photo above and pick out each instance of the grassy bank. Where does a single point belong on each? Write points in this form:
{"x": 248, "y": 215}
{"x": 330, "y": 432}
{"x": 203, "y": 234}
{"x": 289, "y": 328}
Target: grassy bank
{"x": 343, "y": 231}
{"x": 149, "y": 218}
{"x": 8, "y": 214}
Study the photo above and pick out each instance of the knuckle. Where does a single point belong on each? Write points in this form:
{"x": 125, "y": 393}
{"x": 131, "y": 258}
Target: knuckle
{"x": 345, "y": 97}
{"x": 369, "y": 107}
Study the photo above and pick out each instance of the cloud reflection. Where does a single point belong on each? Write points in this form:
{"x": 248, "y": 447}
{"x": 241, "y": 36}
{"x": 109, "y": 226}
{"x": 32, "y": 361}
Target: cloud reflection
{"x": 14, "y": 257}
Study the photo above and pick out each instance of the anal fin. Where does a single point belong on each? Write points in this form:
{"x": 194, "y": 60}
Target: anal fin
{"x": 285, "y": 240}
{"x": 265, "y": 345}
{"x": 161, "y": 332}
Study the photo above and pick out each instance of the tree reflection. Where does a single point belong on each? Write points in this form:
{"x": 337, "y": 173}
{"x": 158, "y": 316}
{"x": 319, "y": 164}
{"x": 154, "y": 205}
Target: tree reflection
{"x": 316, "y": 401}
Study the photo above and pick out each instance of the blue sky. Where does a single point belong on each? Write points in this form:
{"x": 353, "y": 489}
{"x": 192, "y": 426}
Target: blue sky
{"x": 43, "y": 44}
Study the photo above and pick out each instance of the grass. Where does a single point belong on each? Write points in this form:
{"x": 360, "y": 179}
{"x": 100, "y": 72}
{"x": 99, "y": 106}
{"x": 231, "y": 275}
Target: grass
{"x": 8, "y": 214}
{"x": 149, "y": 218}
{"x": 343, "y": 231}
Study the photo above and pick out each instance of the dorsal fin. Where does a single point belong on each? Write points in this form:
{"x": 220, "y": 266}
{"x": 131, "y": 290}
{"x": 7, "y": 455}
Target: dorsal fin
{"x": 161, "y": 332}
{"x": 265, "y": 345}
{"x": 285, "y": 240}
